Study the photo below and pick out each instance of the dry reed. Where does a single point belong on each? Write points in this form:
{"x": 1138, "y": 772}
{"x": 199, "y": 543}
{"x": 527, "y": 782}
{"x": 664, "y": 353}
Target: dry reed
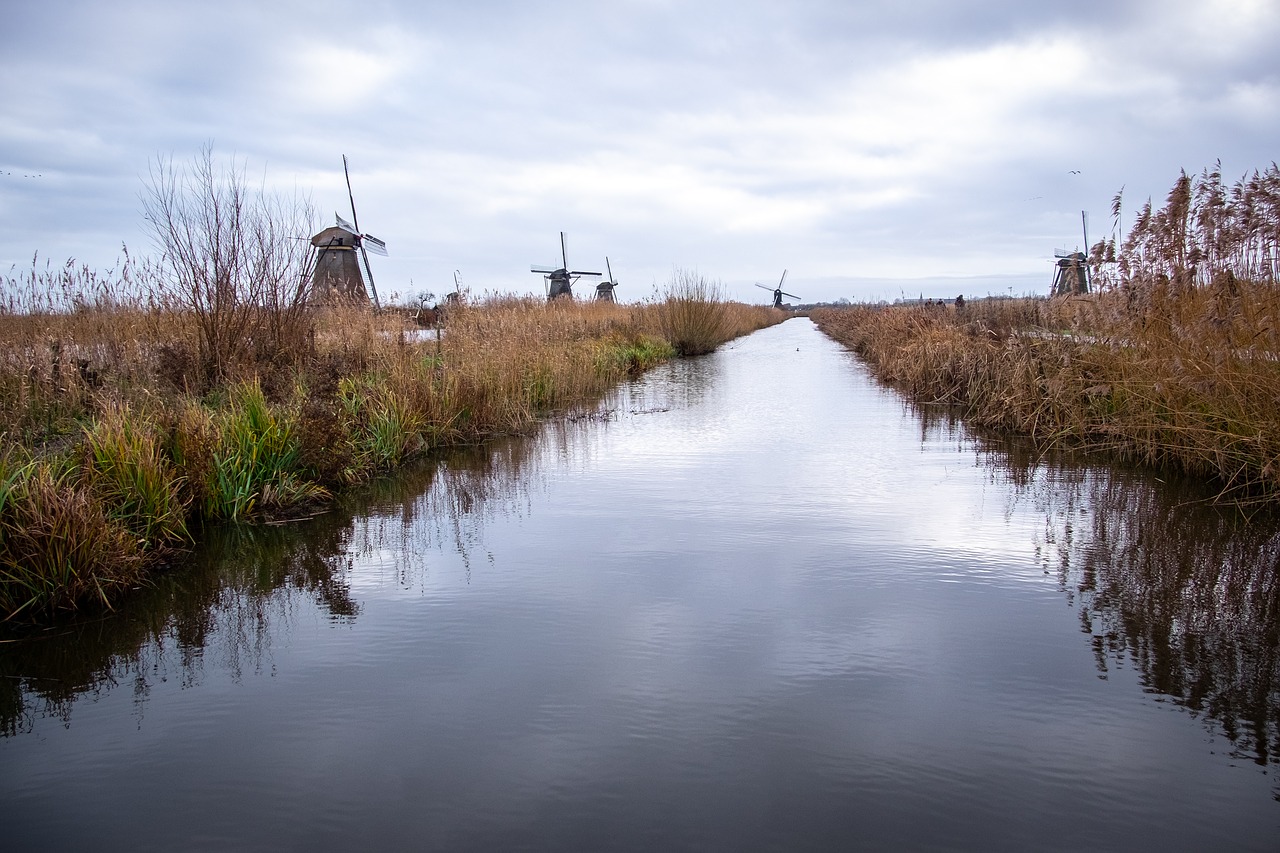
{"x": 1174, "y": 362}
{"x": 1172, "y": 386}
{"x": 113, "y": 390}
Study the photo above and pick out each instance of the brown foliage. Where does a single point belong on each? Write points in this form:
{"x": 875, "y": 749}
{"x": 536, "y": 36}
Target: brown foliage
{"x": 1190, "y": 380}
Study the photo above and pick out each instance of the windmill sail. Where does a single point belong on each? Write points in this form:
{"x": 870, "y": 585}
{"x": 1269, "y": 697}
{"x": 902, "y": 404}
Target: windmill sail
{"x": 364, "y": 255}
{"x": 778, "y": 292}
{"x": 559, "y": 280}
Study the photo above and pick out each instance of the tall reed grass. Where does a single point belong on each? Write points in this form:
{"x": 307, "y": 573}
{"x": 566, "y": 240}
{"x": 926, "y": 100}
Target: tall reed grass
{"x": 1179, "y": 388}
{"x": 120, "y": 443}
{"x": 1175, "y": 362}
{"x": 1206, "y": 229}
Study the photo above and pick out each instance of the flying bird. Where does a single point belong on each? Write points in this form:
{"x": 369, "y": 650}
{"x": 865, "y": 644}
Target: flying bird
{"x": 1075, "y": 171}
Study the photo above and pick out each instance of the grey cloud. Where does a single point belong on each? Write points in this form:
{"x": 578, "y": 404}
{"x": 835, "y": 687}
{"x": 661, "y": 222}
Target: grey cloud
{"x": 656, "y": 132}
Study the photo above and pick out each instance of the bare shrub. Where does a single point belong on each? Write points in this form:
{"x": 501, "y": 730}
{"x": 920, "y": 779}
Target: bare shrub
{"x": 234, "y": 256}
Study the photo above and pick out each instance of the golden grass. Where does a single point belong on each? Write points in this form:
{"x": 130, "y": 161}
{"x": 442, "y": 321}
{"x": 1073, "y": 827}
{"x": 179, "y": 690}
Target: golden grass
{"x": 108, "y": 401}
{"x": 1182, "y": 378}
{"x": 1175, "y": 362}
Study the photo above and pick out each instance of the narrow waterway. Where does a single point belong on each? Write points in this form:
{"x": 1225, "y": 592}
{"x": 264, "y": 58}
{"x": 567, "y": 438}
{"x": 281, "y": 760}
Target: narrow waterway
{"x": 753, "y": 602}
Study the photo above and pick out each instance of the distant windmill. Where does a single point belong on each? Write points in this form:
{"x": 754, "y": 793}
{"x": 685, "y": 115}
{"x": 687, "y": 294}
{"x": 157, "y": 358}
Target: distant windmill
{"x": 604, "y": 290}
{"x": 778, "y": 292}
{"x": 560, "y": 281}
{"x": 454, "y": 297}
{"x": 1071, "y": 275}
{"x": 337, "y": 269}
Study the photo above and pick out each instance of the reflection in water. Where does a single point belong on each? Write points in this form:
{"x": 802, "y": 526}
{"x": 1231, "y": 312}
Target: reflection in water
{"x": 228, "y": 601}
{"x": 750, "y": 584}
{"x": 1185, "y": 592}
{"x": 238, "y": 594}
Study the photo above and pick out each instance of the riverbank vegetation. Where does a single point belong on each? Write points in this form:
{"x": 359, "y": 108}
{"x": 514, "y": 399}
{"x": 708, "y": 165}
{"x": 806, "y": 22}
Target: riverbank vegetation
{"x": 130, "y": 421}
{"x": 1174, "y": 362}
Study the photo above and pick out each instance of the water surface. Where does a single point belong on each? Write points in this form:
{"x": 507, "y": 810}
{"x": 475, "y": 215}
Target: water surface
{"x": 752, "y": 602}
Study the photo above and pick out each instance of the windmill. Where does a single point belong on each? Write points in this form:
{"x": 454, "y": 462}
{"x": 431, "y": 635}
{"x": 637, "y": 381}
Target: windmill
{"x": 560, "y": 281}
{"x": 337, "y": 269}
{"x": 604, "y": 290}
{"x": 778, "y": 292}
{"x": 454, "y": 297}
{"x": 1071, "y": 275}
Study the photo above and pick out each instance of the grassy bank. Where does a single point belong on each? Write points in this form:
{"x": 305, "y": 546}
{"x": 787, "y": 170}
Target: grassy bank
{"x": 121, "y": 442}
{"x": 1183, "y": 379}
{"x": 1173, "y": 361}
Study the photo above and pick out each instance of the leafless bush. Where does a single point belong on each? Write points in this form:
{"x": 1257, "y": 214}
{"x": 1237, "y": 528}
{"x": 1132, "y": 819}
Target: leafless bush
{"x": 235, "y": 256}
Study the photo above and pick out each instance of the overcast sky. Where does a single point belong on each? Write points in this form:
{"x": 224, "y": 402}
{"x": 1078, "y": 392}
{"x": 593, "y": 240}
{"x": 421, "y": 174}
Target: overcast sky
{"x": 873, "y": 148}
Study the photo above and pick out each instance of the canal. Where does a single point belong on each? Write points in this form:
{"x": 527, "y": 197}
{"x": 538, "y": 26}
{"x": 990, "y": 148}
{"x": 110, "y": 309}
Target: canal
{"x": 754, "y": 601}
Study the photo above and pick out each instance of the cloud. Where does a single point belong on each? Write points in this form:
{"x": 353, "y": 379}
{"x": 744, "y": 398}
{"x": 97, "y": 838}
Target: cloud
{"x": 838, "y": 140}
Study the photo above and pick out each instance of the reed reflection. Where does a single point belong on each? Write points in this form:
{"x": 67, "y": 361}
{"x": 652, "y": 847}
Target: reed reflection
{"x": 221, "y": 607}
{"x": 1184, "y": 592}
{"x": 226, "y": 605}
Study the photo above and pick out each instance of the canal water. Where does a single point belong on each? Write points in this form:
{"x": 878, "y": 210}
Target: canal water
{"x": 754, "y": 601}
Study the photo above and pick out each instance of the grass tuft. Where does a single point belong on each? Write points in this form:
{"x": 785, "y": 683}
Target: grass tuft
{"x": 60, "y": 548}
{"x": 255, "y": 461}
{"x": 692, "y": 315}
{"x": 134, "y": 478}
